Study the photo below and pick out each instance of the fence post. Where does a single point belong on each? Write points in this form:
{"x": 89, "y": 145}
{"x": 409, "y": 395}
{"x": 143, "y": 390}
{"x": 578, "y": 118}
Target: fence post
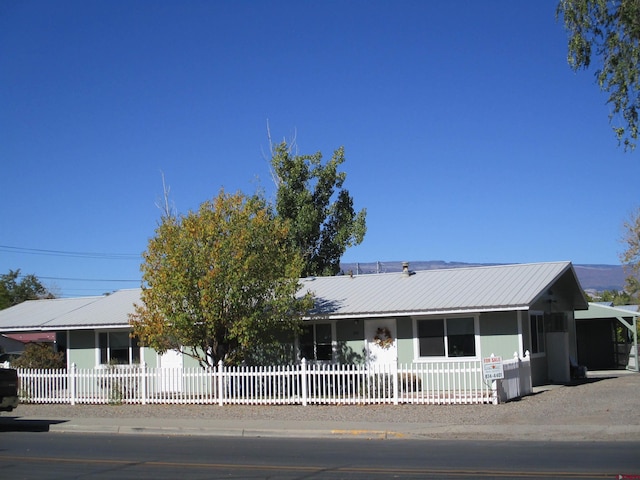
{"x": 528, "y": 372}
{"x": 396, "y": 384}
{"x": 303, "y": 372}
{"x": 220, "y": 383}
{"x": 72, "y": 383}
{"x": 143, "y": 383}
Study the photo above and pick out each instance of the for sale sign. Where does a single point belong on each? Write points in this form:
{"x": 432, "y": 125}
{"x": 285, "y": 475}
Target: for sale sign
{"x": 492, "y": 368}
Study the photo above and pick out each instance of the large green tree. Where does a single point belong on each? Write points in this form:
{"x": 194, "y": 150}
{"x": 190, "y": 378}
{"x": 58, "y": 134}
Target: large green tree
{"x": 311, "y": 196}
{"x": 220, "y": 283}
{"x": 609, "y": 30}
{"x": 14, "y": 291}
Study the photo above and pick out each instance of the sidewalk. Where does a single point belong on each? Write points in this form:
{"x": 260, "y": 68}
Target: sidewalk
{"x": 603, "y": 409}
{"x": 314, "y": 429}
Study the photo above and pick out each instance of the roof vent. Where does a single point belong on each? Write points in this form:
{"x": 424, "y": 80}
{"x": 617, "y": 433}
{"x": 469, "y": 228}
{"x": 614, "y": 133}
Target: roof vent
{"x": 405, "y": 269}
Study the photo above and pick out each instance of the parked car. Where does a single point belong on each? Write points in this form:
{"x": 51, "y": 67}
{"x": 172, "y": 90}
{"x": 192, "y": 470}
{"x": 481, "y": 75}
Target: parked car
{"x": 9, "y": 356}
{"x": 9, "y": 383}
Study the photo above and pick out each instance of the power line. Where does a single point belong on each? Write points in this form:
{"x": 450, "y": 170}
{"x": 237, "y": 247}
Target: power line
{"x": 62, "y": 253}
{"x": 84, "y": 279}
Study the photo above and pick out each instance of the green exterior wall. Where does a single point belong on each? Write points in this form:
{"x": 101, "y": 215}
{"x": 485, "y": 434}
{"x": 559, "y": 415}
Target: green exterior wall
{"x": 149, "y": 356}
{"x": 81, "y": 348}
{"x": 350, "y": 341}
{"x": 189, "y": 362}
{"x": 499, "y": 334}
{"x": 405, "y": 340}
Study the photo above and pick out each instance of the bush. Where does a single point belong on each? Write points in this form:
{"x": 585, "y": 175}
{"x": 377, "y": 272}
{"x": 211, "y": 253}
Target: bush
{"x": 40, "y": 355}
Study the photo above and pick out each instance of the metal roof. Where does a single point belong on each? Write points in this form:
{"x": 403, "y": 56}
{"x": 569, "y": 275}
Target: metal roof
{"x": 32, "y": 314}
{"x": 597, "y": 310}
{"x": 501, "y": 287}
{"x": 71, "y": 313}
{"x": 470, "y": 289}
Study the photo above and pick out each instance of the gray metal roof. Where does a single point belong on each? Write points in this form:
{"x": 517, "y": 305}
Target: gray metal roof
{"x": 471, "y": 289}
{"x": 71, "y": 313}
{"x": 501, "y": 287}
{"x": 598, "y": 310}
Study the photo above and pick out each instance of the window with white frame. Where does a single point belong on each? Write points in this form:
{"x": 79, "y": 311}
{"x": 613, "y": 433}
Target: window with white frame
{"x": 315, "y": 342}
{"x": 118, "y": 348}
{"x": 446, "y": 337}
{"x": 536, "y": 324}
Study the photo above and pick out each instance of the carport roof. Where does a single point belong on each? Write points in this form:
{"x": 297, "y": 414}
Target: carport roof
{"x": 597, "y": 310}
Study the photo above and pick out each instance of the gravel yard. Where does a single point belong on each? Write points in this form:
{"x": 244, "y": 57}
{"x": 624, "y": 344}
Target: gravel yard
{"x": 600, "y": 401}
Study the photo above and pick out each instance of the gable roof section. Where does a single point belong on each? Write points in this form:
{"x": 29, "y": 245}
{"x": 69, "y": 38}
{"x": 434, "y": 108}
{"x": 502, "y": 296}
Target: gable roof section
{"x": 33, "y": 314}
{"x": 472, "y": 289}
{"x": 446, "y": 291}
{"x": 110, "y": 311}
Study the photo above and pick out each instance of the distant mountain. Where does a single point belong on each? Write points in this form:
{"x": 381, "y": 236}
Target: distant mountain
{"x": 592, "y": 277}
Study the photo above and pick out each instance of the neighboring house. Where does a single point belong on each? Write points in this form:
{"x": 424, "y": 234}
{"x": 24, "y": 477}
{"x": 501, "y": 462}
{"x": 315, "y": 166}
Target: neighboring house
{"x": 607, "y": 337}
{"x": 409, "y": 317}
{"x": 8, "y": 344}
{"x": 12, "y": 345}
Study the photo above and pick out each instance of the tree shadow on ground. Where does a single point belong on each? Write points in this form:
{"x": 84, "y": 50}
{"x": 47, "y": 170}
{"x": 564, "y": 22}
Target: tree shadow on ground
{"x": 576, "y": 382}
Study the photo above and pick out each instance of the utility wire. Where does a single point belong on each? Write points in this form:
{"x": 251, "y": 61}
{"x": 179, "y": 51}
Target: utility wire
{"x": 83, "y": 279}
{"x": 62, "y": 253}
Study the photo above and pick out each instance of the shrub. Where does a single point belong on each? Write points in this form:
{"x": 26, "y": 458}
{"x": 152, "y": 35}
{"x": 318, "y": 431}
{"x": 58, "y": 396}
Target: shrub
{"x": 40, "y": 355}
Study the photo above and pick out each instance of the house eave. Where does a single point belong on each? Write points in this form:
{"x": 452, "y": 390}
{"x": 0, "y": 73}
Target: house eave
{"x": 62, "y": 328}
{"x": 416, "y": 313}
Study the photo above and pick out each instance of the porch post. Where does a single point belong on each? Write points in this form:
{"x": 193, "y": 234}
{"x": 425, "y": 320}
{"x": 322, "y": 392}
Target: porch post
{"x": 635, "y": 342}
{"x": 520, "y": 344}
{"x": 494, "y": 392}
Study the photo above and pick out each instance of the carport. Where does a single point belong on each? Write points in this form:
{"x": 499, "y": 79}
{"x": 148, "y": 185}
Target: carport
{"x": 597, "y": 342}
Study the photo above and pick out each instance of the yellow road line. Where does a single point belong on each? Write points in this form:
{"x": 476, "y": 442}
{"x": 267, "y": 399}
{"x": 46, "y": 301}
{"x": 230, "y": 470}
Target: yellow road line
{"x": 476, "y": 473}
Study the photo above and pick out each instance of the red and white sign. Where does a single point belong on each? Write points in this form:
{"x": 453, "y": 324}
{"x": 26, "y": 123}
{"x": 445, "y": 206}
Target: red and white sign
{"x": 492, "y": 368}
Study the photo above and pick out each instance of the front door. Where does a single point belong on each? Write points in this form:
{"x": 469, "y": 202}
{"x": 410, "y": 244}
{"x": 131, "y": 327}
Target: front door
{"x": 381, "y": 341}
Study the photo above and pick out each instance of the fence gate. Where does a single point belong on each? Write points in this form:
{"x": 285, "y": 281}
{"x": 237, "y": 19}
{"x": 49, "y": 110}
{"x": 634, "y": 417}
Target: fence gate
{"x": 171, "y": 365}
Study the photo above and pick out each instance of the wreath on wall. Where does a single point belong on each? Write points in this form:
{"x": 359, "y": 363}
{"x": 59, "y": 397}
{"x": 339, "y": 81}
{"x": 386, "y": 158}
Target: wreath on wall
{"x": 383, "y": 338}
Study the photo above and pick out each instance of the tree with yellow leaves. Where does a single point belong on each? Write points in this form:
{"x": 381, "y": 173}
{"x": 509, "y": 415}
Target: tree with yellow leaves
{"x": 221, "y": 283}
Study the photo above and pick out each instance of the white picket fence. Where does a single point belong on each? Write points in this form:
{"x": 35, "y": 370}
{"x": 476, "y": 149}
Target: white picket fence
{"x": 517, "y": 379}
{"x": 303, "y": 384}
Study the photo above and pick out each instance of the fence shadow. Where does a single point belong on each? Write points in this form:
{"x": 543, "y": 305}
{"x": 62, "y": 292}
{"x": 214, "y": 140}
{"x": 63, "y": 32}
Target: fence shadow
{"x": 17, "y": 424}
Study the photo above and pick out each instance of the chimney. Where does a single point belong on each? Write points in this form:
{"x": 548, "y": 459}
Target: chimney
{"x": 405, "y": 269}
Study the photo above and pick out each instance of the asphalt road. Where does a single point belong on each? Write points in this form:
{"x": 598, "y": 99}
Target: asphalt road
{"x": 42, "y": 456}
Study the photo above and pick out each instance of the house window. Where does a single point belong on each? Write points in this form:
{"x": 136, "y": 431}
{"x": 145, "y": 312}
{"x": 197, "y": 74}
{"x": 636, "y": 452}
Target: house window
{"x": 536, "y": 321}
{"x": 118, "y": 348}
{"x": 315, "y": 342}
{"x": 447, "y": 337}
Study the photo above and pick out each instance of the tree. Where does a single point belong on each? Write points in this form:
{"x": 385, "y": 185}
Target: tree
{"x": 221, "y": 283}
{"x": 630, "y": 258}
{"x": 13, "y": 292}
{"x": 310, "y": 196}
{"x": 39, "y": 355}
{"x": 616, "y": 297}
{"x": 609, "y": 30}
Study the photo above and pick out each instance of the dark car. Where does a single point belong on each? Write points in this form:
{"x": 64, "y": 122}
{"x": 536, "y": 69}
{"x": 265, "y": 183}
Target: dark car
{"x": 9, "y": 356}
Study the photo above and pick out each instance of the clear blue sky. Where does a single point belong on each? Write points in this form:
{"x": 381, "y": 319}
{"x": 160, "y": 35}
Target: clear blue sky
{"x": 467, "y": 136}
